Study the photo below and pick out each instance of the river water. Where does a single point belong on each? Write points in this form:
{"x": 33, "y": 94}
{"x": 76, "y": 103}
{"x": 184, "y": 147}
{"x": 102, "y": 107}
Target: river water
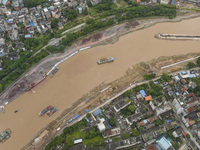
{"x": 81, "y": 73}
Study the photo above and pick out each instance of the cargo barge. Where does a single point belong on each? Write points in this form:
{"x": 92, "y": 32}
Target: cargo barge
{"x": 105, "y": 60}
{"x": 49, "y": 110}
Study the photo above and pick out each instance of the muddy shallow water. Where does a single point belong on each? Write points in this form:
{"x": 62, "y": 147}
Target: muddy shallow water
{"x": 81, "y": 73}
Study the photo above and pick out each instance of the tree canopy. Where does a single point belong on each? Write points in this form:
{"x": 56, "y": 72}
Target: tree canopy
{"x": 191, "y": 65}
{"x": 112, "y": 121}
{"x": 165, "y": 77}
{"x": 54, "y": 23}
{"x": 70, "y": 14}
{"x": 33, "y": 3}
{"x": 135, "y": 132}
{"x": 198, "y": 61}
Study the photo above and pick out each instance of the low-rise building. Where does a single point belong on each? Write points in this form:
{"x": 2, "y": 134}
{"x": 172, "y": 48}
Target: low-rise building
{"x": 122, "y": 104}
{"x": 101, "y": 125}
{"x": 164, "y": 144}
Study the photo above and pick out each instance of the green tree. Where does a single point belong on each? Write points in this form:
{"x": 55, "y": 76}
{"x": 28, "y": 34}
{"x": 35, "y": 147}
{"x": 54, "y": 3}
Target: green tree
{"x": 135, "y": 132}
{"x": 131, "y": 108}
{"x": 33, "y": 3}
{"x": 85, "y": 12}
{"x": 58, "y": 140}
{"x": 187, "y": 136}
{"x": 141, "y": 128}
{"x": 70, "y": 14}
{"x": 13, "y": 44}
{"x": 158, "y": 122}
{"x": 198, "y": 61}
{"x": 88, "y": 115}
{"x": 1, "y": 87}
{"x": 69, "y": 141}
{"x": 165, "y": 77}
{"x": 112, "y": 121}
{"x": 191, "y": 65}
{"x": 54, "y": 23}
{"x": 125, "y": 135}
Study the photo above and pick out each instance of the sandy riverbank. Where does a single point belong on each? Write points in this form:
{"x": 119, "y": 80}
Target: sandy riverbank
{"x": 80, "y": 74}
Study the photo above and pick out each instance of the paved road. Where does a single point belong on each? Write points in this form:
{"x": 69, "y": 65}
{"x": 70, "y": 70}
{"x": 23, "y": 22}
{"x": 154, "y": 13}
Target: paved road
{"x": 54, "y": 41}
{"x": 74, "y": 28}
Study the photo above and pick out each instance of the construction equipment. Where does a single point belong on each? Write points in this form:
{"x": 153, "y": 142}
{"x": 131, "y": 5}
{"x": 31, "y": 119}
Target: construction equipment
{"x": 105, "y": 60}
{"x": 5, "y": 135}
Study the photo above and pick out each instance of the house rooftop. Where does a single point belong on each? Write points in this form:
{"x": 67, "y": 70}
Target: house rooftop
{"x": 164, "y": 143}
{"x": 142, "y": 92}
{"x": 148, "y": 98}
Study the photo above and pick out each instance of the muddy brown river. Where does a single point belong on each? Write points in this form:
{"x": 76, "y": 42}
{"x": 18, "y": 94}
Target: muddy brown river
{"x": 81, "y": 73}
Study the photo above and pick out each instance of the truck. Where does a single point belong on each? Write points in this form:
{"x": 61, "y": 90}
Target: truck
{"x": 5, "y": 135}
{"x": 105, "y": 60}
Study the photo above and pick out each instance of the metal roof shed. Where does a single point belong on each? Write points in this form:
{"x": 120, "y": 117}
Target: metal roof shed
{"x": 142, "y": 92}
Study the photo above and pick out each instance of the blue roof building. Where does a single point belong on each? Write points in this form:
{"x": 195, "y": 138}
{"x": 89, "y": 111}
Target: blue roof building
{"x": 164, "y": 143}
{"x": 145, "y": 121}
{"x": 1, "y": 54}
{"x": 28, "y": 36}
{"x": 97, "y": 112}
{"x": 142, "y": 92}
{"x": 31, "y": 24}
{"x": 4, "y": 2}
{"x": 173, "y": 2}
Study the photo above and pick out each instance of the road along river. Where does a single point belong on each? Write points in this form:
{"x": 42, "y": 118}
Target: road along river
{"x": 81, "y": 73}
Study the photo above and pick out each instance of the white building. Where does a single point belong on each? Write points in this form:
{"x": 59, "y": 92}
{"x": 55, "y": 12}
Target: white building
{"x": 177, "y": 106}
{"x": 101, "y": 125}
{"x": 78, "y": 141}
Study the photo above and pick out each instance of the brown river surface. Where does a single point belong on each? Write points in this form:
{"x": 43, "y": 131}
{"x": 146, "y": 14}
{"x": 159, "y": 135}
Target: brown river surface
{"x": 81, "y": 73}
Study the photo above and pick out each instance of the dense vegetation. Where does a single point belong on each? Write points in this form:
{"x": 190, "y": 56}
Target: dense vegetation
{"x": 33, "y": 3}
{"x": 156, "y": 90}
{"x": 191, "y": 65}
{"x": 16, "y": 69}
{"x": 129, "y": 110}
{"x": 70, "y": 14}
{"x": 91, "y": 138}
{"x": 165, "y": 77}
{"x": 149, "y": 76}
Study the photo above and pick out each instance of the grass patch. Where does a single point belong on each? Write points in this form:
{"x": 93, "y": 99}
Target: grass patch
{"x": 116, "y": 139}
{"x": 97, "y": 141}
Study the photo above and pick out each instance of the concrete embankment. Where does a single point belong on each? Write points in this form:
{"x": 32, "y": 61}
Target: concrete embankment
{"x": 177, "y": 36}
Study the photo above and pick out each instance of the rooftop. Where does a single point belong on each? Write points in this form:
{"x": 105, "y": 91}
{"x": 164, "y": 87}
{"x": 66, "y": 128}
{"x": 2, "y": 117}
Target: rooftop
{"x": 142, "y": 92}
{"x": 164, "y": 143}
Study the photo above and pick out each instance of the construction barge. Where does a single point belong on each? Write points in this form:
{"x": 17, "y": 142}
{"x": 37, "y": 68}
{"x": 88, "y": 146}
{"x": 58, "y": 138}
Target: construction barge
{"x": 49, "y": 110}
{"x": 177, "y": 37}
{"x": 105, "y": 60}
{"x": 5, "y": 135}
